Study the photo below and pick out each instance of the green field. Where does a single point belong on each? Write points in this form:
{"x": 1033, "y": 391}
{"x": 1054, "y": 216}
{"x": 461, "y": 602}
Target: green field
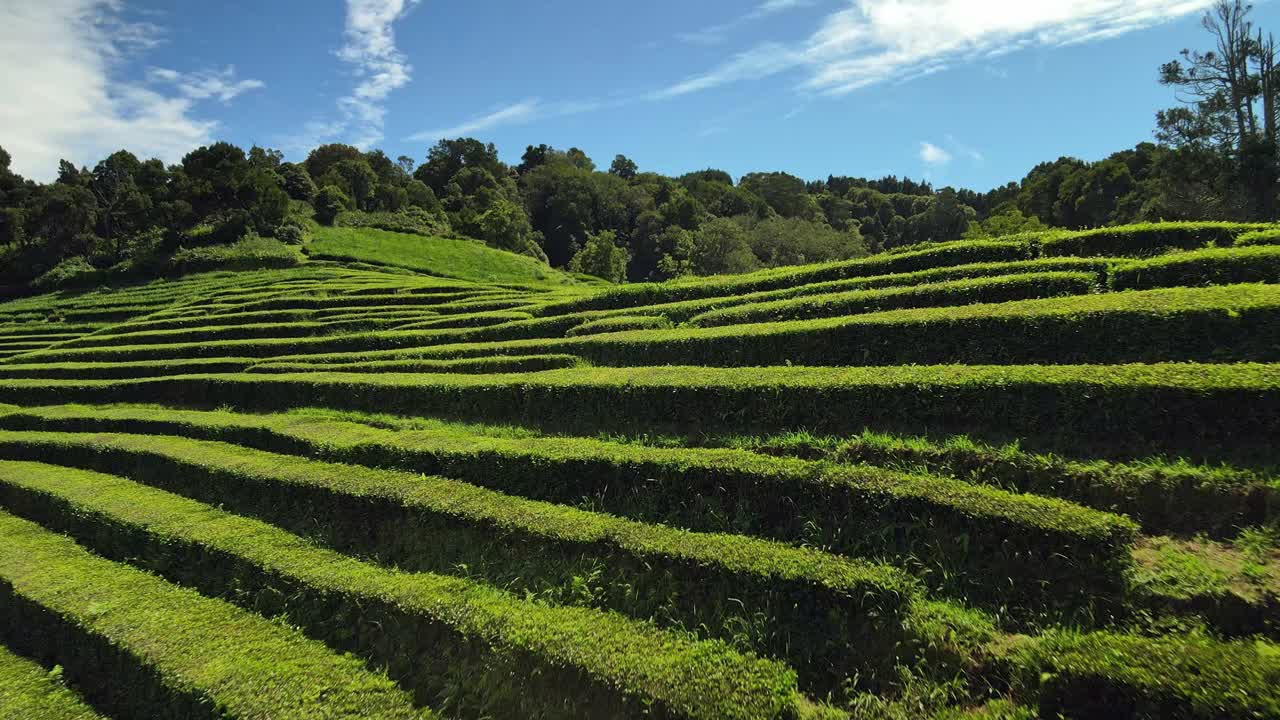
{"x": 415, "y": 477}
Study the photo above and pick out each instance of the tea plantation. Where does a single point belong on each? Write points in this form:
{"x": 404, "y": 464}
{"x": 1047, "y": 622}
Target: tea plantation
{"x": 1027, "y": 477}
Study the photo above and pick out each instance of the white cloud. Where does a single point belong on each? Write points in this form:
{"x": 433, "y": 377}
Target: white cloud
{"x": 65, "y": 100}
{"x": 519, "y": 112}
{"x": 220, "y": 84}
{"x": 369, "y": 47}
{"x": 931, "y": 154}
{"x": 875, "y": 41}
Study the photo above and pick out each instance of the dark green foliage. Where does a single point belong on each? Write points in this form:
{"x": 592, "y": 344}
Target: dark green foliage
{"x": 330, "y": 202}
{"x": 252, "y": 253}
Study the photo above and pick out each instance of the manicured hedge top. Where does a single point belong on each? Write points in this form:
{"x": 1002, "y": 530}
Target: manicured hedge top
{"x": 244, "y": 664}
{"x": 28, "y": 690}
{"x": 692, "y": 679}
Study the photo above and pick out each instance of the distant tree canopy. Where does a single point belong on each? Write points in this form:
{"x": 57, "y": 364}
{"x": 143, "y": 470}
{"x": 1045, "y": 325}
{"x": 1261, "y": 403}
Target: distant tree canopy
{"x": 1215, "y": 158}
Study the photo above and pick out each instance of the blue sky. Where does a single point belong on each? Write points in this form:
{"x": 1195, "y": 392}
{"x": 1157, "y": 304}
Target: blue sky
{"x": 971, "y": 93}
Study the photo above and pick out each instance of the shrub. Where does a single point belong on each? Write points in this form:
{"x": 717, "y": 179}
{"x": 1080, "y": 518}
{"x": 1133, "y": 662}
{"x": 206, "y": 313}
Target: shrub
{"x": 1270, "y": 236}
{"x": 412, "y": 220}
{"x": 251, "y": 253}
{"x": 330, "y": 202}
{"x": 601, "y": 258}
{"x": 1145, "y": 239}
{"x": 72, "y": 272}
{"x": 619, "y": 324}
{"x": 1214, "y": 266}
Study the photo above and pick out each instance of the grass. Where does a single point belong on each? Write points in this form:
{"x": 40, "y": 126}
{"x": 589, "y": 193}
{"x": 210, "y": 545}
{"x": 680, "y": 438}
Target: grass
{"x": 443, "y": 257}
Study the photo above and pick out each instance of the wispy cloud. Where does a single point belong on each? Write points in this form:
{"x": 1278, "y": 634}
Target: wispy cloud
{"x": 380, "y": 67}
{"x": 875, "y": 41}
{"x": 933, "y": 155}
{"x": 719, "y": 33}
{"x": 72, "y": 104}
{"x": 518, "y": 113}
{"x": 370, "y": 48}
{"x": 523, "y": 111}
{"x": 220, "y": 84}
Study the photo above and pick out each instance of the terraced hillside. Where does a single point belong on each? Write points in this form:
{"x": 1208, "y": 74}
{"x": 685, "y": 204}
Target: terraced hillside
{"x": 1032, "y": 477}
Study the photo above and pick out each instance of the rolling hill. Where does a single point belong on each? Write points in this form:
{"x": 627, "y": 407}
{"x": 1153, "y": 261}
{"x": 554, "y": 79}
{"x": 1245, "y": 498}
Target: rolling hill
{"x": 1025, "y": 477}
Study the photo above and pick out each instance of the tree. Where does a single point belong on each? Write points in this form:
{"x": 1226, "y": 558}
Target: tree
{"x": 601, "y": 257}
{"x": 330, "y": 201}
{"x": 720, "y": 247}
{"x": 448, "y": 157}
{"x": 506, "y": 226}
{"x": 121, "y": 205}
{"x": 297, "y": 182}
{"x": 623, "y": 167}
{"x": 356, "y": 180}
{"x": 321, "y": 160}
{"x": 786, "y": 194}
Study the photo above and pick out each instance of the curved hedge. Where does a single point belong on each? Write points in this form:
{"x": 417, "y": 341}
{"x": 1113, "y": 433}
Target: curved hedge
{"x": 1004, "y": 288}
{"x": 619, "y": 323}
{"x": 1214, "y": 266}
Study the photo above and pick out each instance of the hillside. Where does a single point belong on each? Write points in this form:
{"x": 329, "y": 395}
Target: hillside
{"x": 1034, "y": 476}
{"x": 444, "y": 257}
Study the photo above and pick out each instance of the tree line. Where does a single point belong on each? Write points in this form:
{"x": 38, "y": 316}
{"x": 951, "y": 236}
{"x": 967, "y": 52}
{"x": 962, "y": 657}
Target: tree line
{"x": 1215, "y": 157}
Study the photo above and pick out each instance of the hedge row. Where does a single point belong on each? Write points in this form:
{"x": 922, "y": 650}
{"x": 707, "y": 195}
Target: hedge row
{"x": 1216, "y": 324}
{"x": 29, "y": 690}
{"x": 855, "y": 511}
{"x": 126, "y": 370}
{"x": 139, "y": 647}
{"x": 999, "y": 289}
{"x": 645, "y": 294}
{"x": 830, "y": 616}
{"x": 463, "y": 647}
{"x": 1145, "y": 239}
{"x": 1260, "y": 237}
{"x": 296, "y": 349}
{"x": 682, "y": 311}
{"x": 242, "y": 331}
{"x": 1164, "y": 497}
{"x": 315, "y": 302}
{"x": 500, "y": 364}
{"x": 619, "y": 323}
{"x": 1214, "y": 266}
{"x": 472, "y": 320}
{"x": 1217, "y": 411}
{"x": 1111, "y": 675}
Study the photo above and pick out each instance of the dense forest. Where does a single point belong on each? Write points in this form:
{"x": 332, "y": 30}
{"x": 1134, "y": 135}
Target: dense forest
{"x": 1215, "y": 157}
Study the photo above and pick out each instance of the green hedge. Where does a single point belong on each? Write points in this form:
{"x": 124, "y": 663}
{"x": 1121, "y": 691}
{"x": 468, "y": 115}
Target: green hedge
{"x": 998, "y": 289}
{"x": 1165, "y": 497}
{"x": 1145, "y": 239}
{"x": 644, "y": 294}
{"x": 1260, "y": 237}
{"x": 126, "y": 370}
{"x": 1215, "y": 324}
{"x": 247, "y": 254}
{"x": 1080, "y": 554}
{"x": 462, "y": 646}
{"x": 1109, "y": 675}
{"x": 1214, "y": 266}
{"x": 472, "y": 320}
{"x": 1216, "y": 411}
{"x": 830, "y": 616}
{"x": 619, "y": 323}
{"x": 140, "y": 647}
{"x": 242, "y": 331}
{"x": 682, "y": 311}
{"x": 28, "y": 690}
{"x": 501, "y": 364}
